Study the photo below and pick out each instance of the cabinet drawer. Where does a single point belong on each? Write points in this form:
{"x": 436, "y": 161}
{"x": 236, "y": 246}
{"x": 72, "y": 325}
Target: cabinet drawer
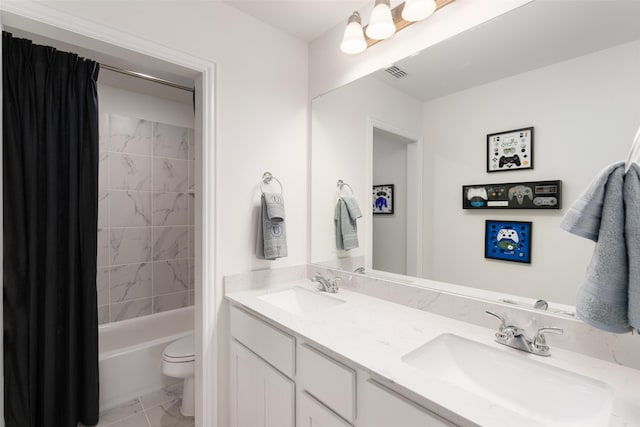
{"x": 329, "y": 381}
{"x": 313, "y": 414}
{"x": 384, "y": 408}
{"x": 270, "y": 343}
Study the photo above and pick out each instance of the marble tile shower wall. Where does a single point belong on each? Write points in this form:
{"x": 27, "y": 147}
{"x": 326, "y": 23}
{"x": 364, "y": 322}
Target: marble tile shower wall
{"x": 145, "y": 218}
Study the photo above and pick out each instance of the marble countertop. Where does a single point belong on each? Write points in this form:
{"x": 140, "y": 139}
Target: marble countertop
{"x": 374, "y": 334}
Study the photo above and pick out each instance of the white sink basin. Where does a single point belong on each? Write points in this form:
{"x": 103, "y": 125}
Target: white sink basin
{"x": 543, "y": 393}
{"x": 300, "y": 300}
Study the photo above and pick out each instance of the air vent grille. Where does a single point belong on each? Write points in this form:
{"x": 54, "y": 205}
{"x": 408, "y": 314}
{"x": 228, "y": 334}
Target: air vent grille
{"x": 396, "y": 72}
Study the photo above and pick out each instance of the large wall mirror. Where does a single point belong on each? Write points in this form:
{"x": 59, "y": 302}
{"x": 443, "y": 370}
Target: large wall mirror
{"x": 570, "y": 69}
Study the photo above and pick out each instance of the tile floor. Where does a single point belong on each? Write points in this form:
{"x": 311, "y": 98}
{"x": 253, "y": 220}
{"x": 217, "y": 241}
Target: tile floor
{"x": 156, "y": 409}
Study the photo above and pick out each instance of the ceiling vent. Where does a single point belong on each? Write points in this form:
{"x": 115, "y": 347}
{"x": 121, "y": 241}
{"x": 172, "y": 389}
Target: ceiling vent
{"x": 396, "y": 72}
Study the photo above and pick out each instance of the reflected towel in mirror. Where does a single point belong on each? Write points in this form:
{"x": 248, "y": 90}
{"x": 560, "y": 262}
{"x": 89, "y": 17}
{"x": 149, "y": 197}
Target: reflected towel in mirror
{"x": 346, "y": 213}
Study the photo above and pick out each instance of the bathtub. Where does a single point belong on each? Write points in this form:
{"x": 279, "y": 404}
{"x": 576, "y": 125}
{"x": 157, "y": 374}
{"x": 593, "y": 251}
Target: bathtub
{"x": 130, "y": 353}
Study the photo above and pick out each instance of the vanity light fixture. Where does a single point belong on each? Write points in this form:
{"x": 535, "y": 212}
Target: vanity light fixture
{"x": 353, "y": 40}
{"x": 381, "y": 25}
{"x": 417, "y": 10}
{"x": 384, "y": 22}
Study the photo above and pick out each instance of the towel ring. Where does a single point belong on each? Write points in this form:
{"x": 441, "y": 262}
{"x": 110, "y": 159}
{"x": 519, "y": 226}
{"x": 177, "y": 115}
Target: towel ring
{"x": 634, "y": 152}
{"x": 267, "y": 177}
{"x": 342, "y": 184}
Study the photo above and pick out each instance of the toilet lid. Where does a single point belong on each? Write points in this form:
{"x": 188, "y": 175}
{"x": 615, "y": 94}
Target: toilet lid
{"x": 181, "y": 349}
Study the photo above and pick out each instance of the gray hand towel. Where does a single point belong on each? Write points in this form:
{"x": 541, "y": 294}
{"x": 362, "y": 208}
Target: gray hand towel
{"x": 337, "y": 215}
{"x": 583, "y": 217}
{"x": 352, "y": 207}
{"x": 271, "y": 242}
{"x": 346, "y": 227}
{"x": 275, "y": 206}
{"x": 602, "y": 300}
{"x": 632, "y": 239}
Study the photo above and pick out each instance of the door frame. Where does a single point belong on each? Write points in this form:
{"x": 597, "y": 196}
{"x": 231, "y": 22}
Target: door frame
{"x": 44, "y": 20}
{"x": 415, "y": 155}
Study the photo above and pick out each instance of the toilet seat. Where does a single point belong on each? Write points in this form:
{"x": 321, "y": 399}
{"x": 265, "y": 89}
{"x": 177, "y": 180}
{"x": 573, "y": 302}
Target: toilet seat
{"x": 186, "y": 359}
{"x": 180, "y": 351}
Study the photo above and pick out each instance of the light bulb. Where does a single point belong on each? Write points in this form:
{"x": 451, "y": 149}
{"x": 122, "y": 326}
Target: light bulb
{"x": 381, "y": 24}
{"x": 416, "y": 10}
{"x": 353, "y": 41}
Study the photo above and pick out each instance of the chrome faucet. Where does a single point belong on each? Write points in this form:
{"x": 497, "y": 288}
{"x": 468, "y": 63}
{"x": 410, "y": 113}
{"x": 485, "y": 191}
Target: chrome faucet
{"x": 513, "y": 336}
{"x": 541, "y": 305}
{"x": 326, "y": 285}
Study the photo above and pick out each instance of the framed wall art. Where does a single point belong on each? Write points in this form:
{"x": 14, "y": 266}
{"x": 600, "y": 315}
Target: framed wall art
{"x": 513, "y": 195}
{"x": 383, "y": 199}
{"x": 510, "y": 150}
{"x": 508, "y": 240}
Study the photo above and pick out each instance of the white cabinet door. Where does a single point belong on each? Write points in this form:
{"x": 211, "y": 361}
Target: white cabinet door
{"x": 384, "y": 408}
{"x": 260, "y": 395}
{"x": 313, "y": 414}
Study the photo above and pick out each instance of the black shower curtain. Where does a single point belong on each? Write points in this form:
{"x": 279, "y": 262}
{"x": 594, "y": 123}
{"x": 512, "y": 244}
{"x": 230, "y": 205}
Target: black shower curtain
{"x": 50, "y": 207}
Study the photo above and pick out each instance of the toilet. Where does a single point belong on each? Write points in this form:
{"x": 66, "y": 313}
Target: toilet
{"x": 178, "y": 361}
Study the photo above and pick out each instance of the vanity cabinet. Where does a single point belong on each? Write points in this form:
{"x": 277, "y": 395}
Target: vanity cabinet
{"x": 262, "y": 364}
{"x": 280, "y": 381}
{"x": 311, "y": 413}
{"x": 382, "y": 407}
{"x": 271, "y": 344}
{"x": 260, "y": 395}
{"x": 329, "y": 381}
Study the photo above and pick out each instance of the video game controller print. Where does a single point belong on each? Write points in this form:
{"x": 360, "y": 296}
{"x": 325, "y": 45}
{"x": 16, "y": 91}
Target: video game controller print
{"x": 520, "y": 192}
{"x": 509, "y": 161}
{"x": 508, "y": 233}
{"x": 507, "y": 239}
{"x": 480, "y": 192}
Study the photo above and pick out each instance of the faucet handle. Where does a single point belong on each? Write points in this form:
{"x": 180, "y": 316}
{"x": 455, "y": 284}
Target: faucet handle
{"x": 539, "y": 343}
{"x": 504, "y": 332}
{"x": 503, "y": 321}
{"x": 547, "y": 330}
{"x": 333, "y": 284}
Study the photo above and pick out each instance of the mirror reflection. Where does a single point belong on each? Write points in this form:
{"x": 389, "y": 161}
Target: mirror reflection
{"x": 570, "y": 70}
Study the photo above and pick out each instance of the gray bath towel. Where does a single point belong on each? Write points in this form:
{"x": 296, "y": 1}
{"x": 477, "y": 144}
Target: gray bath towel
{"x": 583, "y": 217}
{"x": 632, "y": 238}
{"x": 346, "y": 213}
{"x": 602, "y": 300}
{"x": 271, "y": 242}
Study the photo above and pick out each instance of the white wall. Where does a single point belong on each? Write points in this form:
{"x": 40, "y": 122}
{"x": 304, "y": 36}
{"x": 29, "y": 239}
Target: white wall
{"x": 261, "y": 119}
{"x": 390, "y": 231}
{"x": 341, "y": 126}
{"x": 585, "y": 112}
{"x": 124, "y": 102}
{"x": 330, "y": 68}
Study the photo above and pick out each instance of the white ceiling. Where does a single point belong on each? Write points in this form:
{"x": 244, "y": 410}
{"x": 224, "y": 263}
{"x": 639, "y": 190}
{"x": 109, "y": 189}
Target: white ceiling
{"x": 304, "y": 19}
{"x": 535, "y": 35}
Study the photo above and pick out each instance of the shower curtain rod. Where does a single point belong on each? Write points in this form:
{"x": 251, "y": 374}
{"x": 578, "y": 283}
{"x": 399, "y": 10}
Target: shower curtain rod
{"x": 146, "y": 77}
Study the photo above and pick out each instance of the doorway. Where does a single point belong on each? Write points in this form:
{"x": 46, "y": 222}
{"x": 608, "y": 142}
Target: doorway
{"x": 127, "y": 52}
{"x": 396, "y": 161}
